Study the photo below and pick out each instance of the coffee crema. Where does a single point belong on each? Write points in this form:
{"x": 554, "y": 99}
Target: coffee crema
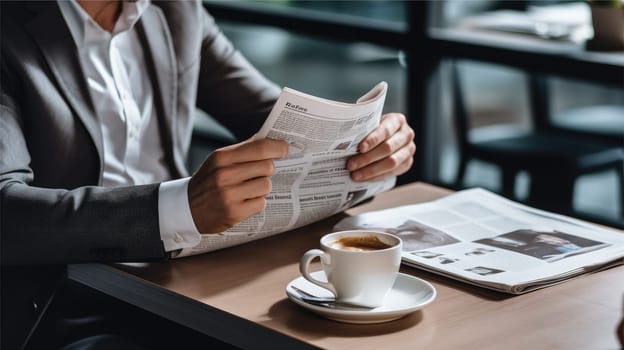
{"x": 359, "y": 243}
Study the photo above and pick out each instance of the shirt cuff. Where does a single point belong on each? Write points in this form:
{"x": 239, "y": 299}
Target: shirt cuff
{"x": 177, "y": 228}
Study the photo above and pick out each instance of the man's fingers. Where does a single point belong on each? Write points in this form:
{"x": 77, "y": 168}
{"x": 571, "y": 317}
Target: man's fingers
{"x": 390, "y": 124}
{"x": 231, "y": 184}
{"x": 388, "y": 150}
{"x": 396, "y": 164}
{"x": 254, "y": 205}
{"x": 242, "y": 201}
{"x": 225, "y": 219}
{"x": 258, "y": 187}
{"x": 238, "y": 173}
{"x": 216, "y": 209}
{"x": 403, "y": 168}
{"x": 248, "y": 151}
{"x": 385, "y": 149}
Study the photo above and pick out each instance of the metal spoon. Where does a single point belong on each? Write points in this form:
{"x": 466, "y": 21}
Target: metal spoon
{"x": 328, "y": 302}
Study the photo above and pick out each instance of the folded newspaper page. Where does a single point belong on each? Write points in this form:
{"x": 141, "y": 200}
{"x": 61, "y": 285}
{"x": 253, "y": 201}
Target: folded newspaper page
{"x": 481, "y": 238}
{"x": 312, "y": 182}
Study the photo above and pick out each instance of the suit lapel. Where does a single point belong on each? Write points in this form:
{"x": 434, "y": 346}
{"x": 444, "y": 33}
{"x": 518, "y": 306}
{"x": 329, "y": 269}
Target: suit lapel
{"x": 161, "y": 65}
{"x": 50, "y": 31}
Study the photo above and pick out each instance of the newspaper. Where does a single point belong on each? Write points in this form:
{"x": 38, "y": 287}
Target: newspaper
{"x": 481, "y": 238}
{"x": 312, "y": 182}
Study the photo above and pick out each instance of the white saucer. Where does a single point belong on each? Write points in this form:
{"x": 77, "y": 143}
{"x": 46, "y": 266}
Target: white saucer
{"x": 408, "y": 294}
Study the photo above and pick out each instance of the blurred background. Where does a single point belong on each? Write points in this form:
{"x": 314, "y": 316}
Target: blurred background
{"x": 340, "y": 49}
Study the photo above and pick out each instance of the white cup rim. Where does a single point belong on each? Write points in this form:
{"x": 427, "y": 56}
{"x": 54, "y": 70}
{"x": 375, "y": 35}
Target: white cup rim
{"x": 327, "y": 237}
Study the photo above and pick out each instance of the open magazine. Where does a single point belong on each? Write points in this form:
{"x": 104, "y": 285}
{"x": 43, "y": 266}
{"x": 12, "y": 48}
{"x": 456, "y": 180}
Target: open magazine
{"x": 312, "y": 182}
{"x": 481, "y": 238}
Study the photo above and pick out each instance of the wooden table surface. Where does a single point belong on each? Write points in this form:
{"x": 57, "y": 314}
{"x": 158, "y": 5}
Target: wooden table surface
{"x": 238, "y": 296}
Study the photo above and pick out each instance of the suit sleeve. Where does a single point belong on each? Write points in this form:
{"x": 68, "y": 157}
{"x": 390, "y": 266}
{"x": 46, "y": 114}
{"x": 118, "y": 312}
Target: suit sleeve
{"x": 230, "y": 88}
{"x": 43, "y": 225}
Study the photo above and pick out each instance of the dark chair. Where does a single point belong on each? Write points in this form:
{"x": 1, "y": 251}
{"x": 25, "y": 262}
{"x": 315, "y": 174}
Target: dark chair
{"x": 603, "y": 122}
{"x": 553, "y": 160}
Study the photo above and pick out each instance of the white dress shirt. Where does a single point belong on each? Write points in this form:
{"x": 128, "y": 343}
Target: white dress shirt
{"x": 123, "y": 98}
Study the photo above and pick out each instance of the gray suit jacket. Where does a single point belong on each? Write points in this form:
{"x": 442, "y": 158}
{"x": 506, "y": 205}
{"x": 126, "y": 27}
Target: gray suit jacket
{"x": 52, "y": 210}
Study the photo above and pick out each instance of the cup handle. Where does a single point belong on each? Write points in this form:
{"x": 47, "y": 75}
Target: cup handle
{"x": 304, "y": 267}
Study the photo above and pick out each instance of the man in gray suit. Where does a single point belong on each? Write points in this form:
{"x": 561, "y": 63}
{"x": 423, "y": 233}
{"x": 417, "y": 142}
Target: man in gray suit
{"x": 96, "y": 116}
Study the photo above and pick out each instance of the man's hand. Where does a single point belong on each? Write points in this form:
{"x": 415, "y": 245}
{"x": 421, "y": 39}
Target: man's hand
{"x": 232, "y": 182}
{"x": 386, "y": 151}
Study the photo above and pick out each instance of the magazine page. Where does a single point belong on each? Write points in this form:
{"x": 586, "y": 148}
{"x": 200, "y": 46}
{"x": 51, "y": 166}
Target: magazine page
{"x": 312, "y": 182}
{"x": 481, "y": 238}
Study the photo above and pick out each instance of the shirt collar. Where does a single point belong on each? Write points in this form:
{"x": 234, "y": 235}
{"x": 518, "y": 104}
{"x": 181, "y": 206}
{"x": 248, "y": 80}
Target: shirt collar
{"x": 78, "y": 20}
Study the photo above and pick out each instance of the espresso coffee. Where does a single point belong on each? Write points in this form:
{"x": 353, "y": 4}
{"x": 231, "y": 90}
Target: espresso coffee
{"x": 359, "y": 243}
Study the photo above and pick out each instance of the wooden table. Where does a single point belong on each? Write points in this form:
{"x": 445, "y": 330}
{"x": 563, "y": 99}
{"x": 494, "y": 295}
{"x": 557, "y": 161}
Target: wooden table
{"x": 237, "y": 295}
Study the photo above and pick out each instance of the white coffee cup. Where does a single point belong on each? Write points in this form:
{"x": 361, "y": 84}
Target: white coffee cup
{"x": 356, "y": 276}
